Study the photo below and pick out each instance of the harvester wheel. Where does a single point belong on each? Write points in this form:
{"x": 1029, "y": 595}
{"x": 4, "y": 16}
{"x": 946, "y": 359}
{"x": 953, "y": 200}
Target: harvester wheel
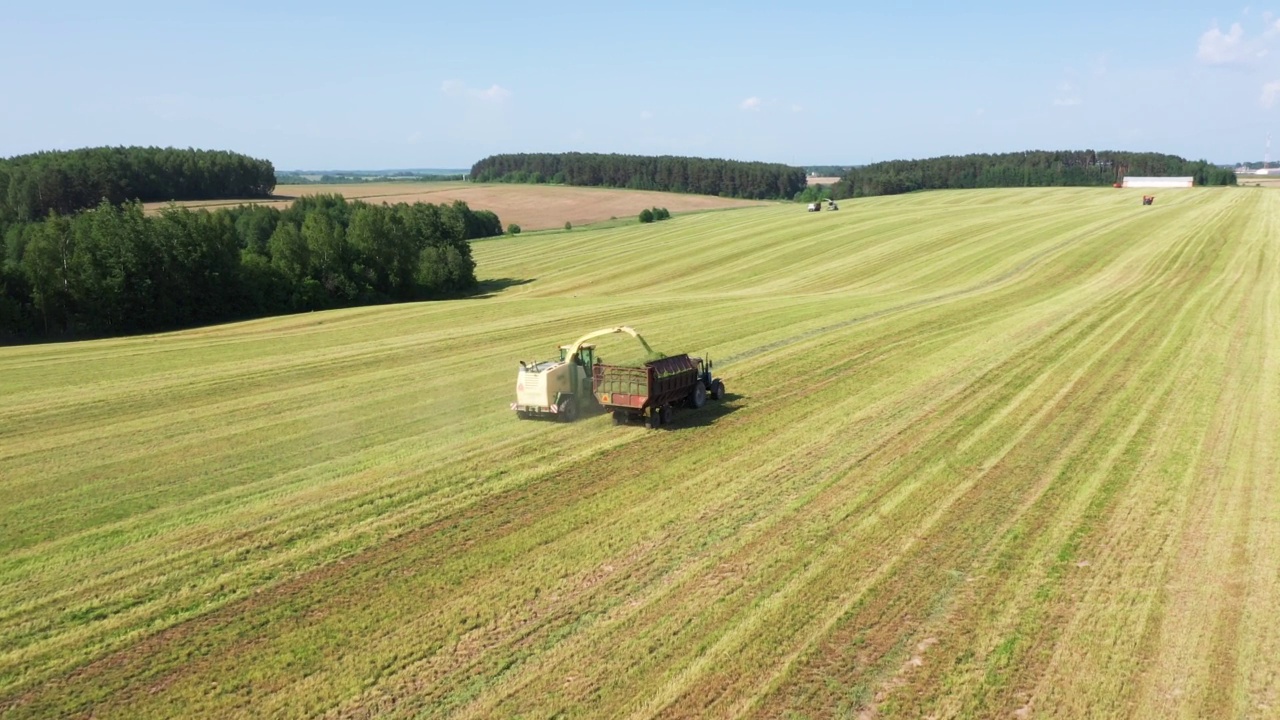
{"x": 655, "y": 418}
{"x": 569, "y": 412}
{"x": 699, "y": 395}
{"x": 717, "y": 390}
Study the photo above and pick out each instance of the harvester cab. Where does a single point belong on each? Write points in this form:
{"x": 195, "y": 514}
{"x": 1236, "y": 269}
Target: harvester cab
{"x": 585, "y": 356}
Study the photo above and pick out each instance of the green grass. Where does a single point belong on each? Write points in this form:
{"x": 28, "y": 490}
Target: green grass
{"x": 984, "y": 453}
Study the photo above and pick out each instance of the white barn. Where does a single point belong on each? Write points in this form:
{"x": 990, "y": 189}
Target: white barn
{"x": 1158, "y": 182}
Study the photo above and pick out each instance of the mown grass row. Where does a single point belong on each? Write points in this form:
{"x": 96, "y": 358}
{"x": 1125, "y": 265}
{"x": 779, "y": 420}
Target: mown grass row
{"x": 984, "y": 452}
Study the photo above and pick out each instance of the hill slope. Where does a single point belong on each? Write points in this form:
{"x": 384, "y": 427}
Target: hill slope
{"x": 985, "y": 452}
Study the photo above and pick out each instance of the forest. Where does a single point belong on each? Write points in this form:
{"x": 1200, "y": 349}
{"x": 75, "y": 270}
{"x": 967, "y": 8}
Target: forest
{"x": 115, "y": 270}
{"x": 703, "y": 176}
{"x": 1037, "y": 168}
{"x": 32, "y": 186}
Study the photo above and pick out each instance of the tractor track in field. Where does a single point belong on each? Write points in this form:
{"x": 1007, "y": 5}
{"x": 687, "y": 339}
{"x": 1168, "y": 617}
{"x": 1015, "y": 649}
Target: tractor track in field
{"x": 506, "y": 513}
{"x": 1010, "y": 274}
{"x": 909, "y": 605}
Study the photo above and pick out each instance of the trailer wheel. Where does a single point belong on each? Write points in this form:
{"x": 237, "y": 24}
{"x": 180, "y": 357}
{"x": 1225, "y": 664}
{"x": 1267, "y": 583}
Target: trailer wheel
{"x": 655, "y": 418}
{"x": 717, "y": 390}
{"x": 619, "y": 418}
{"x": 699, "y": 396}
{"x": 666, "y": 415}
{"x": 523, "y": 415}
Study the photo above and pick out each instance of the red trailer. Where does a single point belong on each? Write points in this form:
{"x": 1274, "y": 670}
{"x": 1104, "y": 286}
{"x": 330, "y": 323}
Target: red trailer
{"x": 650, "y": 391}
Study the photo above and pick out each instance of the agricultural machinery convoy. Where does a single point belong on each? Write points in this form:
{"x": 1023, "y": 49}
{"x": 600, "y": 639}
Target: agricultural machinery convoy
{"x": 579, "y": 381}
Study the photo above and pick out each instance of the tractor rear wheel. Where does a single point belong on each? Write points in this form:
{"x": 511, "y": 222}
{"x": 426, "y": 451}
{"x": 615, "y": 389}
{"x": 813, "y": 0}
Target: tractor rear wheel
{"x": 699, "y": 397}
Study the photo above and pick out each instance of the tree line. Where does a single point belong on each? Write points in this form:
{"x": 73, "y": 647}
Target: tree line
{"x": 32, "y": 186}
{"x": 114, "y": 270}
{"x": 703, "y": 176}
{"x": 1036, "y": 168}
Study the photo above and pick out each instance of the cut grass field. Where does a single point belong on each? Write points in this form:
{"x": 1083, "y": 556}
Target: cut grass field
{"x": 532, "y": 207}
{"x": 985, "y": 453}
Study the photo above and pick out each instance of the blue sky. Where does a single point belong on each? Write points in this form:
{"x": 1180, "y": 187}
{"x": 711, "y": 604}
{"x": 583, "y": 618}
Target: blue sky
{"x": 368, "y": 85}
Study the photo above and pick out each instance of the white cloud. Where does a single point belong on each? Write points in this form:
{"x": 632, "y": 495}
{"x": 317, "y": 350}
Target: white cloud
{"x": 797, "y": 108}
{"x": 1270, "y": 94}
{"x": 646, "y": 115}
{"x": 751, "y": 103}
{"x": 494, "y": 93}
{"x": 1067, "y": 96}
{"x": 1099, "y": 66}
{"x": 1232, "y": 47}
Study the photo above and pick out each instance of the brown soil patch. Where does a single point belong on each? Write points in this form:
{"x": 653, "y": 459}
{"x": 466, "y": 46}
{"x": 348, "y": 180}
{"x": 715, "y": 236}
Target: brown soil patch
{"x": 532, "y": 207}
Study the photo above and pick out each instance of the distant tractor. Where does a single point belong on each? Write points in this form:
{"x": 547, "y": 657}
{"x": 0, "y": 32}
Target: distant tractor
{"x": 1148, "y": 199}
{"x": 815, "y": 207}
{"x": 561, "y": 389}
{"x": 831, "y": 205}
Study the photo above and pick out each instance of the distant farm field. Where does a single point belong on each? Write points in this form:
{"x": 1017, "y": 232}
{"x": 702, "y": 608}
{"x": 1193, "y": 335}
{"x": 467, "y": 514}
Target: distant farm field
{"x": 532, "y": 207}
{"x": 1003, "y": 453}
